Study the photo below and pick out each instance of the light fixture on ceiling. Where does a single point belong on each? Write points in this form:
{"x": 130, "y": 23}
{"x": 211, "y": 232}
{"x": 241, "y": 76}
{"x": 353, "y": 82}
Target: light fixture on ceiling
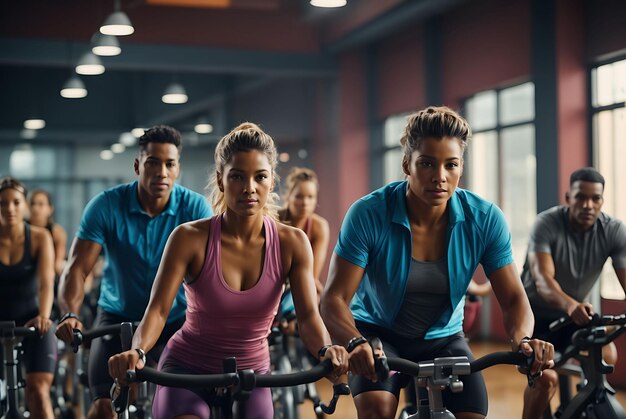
{"x": 106, "y": 154}
{"x": 118, "y": 148}
{"x": 89, "y": 65}
{"x": 117, "y": 23}
{"x": 174, "y": 94}
{"x": 34, "y": 123}
{"x": 105, "y": 45}
{"x": 127, "y": 139}
{"x": 203, "y": 126}
{"x": 137, "y": 132}
{"x": 328, "y": 3}
{"x": 74, "y": 88}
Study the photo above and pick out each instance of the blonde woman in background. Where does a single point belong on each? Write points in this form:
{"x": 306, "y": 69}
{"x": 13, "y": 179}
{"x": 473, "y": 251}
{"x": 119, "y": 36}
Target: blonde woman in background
{"x": 301, "y": 192}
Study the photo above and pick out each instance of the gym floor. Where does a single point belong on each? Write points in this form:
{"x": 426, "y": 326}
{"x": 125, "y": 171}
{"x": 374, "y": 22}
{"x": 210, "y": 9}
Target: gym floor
{"x": 504, "y": 385}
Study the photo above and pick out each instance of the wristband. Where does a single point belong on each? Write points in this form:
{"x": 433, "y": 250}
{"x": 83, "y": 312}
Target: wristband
{"x": 525, "y": 339}
{"x": 142, "y": 355}
{"x": 354, "y": 342}
{"x": 68, "y": 315}
{"x": 322, "y": 351}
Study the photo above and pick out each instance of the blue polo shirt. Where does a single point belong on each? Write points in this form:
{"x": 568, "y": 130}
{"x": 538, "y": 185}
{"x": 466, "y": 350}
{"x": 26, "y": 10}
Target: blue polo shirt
{"x": 133, "y": 243}
{"x": 376, "y": 235}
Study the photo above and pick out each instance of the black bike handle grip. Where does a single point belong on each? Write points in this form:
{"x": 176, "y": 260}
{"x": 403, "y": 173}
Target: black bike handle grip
{"x": 560, "y": 323}
{"x": 182, "y": 380}
{"x": 382, "y": 368}
{"x": 77, "y": 339}
{"x": 340, "y": 389}
{"x": 295, "y": 379}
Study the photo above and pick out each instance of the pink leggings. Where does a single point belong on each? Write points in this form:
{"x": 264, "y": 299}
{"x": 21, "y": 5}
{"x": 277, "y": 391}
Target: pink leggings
{"x": 170, "y": 402}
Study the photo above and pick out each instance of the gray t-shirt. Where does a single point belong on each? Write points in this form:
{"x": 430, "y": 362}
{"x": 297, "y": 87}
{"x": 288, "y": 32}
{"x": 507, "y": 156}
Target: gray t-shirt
{"x": 578, "y": 256}
{"x": 427, "y": 296}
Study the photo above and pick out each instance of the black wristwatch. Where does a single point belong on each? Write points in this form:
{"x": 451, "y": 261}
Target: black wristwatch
{"x": 322, "y": 351}
{"x": 68, "y": 315}
{"x": 354, "y": 342}
{"x": 142, "y": 355}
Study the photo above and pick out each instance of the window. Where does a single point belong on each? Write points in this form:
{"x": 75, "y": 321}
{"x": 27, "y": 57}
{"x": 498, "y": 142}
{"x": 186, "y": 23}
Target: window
{"x": 392, "y": 152}
{"x": 500, "y": 159}
{"x": 608, "y": 90}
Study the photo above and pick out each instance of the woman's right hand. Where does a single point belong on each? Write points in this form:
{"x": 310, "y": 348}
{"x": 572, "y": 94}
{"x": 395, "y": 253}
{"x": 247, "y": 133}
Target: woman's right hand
{"x": 362, "y": 361}
{"x": 122, "y": 362}
{"x": 65, "y": 329}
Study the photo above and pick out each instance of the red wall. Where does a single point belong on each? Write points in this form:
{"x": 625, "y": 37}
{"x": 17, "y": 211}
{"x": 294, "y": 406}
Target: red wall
{"x": 572, "y": 97}
{"x": 353, "y": 173}
{"x": 401, "y": 73}
{"x": 486, "y": 43}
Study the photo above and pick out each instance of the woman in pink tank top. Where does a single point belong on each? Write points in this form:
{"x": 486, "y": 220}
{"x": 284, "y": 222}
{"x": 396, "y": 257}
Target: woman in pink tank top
{"x": 234, "y": 267}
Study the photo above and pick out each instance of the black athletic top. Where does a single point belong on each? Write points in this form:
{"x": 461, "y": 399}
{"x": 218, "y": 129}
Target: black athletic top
{"x": 18, "y": 286}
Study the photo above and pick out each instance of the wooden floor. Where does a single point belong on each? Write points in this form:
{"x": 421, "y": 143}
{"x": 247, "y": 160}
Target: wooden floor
{"x": 505, "y": 387}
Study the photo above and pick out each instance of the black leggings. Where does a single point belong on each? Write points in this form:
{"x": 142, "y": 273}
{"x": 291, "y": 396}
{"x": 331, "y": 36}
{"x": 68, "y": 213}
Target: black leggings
{"x": 473, "y": 398}
{"x": 103, "y": 348}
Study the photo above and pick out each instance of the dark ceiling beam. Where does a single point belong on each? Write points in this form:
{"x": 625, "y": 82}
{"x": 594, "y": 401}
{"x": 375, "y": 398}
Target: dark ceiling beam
{"x": 409, "y": 13}
{"x": 170, "y": 58}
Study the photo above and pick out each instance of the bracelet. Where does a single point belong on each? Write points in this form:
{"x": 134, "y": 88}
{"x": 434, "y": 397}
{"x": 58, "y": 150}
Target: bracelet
{"x": 142, "y": 355}
{"x": 322, "y": 351}
{"x": 68, "y": 315}
{"x": 354, "y": 342}
{"x": 525, "y": 339}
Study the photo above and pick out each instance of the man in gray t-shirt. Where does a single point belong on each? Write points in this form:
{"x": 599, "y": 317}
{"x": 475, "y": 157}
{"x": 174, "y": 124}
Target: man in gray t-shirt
{"x": 567, "y": 249}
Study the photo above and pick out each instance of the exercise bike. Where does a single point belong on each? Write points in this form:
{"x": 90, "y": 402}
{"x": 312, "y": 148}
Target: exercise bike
{"x": 595, "y": 398}
{"x": 11, "y": 338}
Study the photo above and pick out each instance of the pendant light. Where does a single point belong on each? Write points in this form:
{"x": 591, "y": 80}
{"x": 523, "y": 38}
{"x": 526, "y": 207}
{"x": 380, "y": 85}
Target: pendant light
{"x": 174, "y": 94}
{"x": 117, "y": 23}
{"x": 89, "y": 65}
{"x": 74, "y": 88}
{"x": 105, "y": 45}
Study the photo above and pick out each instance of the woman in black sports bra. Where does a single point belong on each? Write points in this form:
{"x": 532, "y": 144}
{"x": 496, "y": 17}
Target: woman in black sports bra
{"x": 26, "y": 292}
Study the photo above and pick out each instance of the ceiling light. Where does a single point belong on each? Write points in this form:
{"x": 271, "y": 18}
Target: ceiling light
{"x": 106, "y": 154}
{"x": 34, "y": 123}
{"x": 137, "y": 132}
{"x": 174, "y": 94}
{"x": 117, "y": 23}
{"x": 118, "y": 148}
{"x": 127, "y": 139}
{"x": 105, "y": 45}
{"x": 328, "y": 3}
{"x": 89, "y": 65}
{"x": 203, "y": 126}
{"x": 74, "y": 88}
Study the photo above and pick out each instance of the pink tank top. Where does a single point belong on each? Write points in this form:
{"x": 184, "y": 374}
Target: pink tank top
{"x": 222, "y": 322}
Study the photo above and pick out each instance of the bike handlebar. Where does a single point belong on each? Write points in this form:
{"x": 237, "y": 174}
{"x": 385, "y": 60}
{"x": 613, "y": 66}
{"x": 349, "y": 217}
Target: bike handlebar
{"x": 9, "y": 330}
{"x": 509, "y": 358}
{"x": 182, "y": 380}
{"x": 79, "y": 337}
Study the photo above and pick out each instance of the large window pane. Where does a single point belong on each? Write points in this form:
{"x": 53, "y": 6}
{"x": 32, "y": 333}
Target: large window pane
{"x": 517, "y": 104}
{"x": 483, "y": 165}
{"x": 481, "y": 110}
{"x": 609, "y": 151}
{"x": 394, "y": 128}
{"x": 393, "y": 165}
{"x": 609, "y": 84}
{"x": 518, "y": 185}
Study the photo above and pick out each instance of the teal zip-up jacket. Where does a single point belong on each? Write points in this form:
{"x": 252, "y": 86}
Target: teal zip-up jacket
{"x": 376, "y": 235}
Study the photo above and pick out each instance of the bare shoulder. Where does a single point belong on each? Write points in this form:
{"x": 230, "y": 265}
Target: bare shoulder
{"x": 39, "y": 233}
{"x": 58, "y": 230}
{"x": 290, "y": 236}
{"x": 192, "y": 229}
{"x": 320, "y": 223}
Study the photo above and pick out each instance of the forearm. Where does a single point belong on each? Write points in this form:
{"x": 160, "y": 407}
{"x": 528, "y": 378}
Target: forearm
{"x": 46, "y": 298}
{"x": 518, "y": 319}
{"x": 338, "y": 319}
{"x": 313, "y": 333}
{"x": 550, "y": 291}
{"x": 71, "y": 291}
{"x": 149, "y": 329}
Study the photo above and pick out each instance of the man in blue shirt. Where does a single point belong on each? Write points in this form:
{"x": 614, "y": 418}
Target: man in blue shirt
{"x": 131, "y": 224}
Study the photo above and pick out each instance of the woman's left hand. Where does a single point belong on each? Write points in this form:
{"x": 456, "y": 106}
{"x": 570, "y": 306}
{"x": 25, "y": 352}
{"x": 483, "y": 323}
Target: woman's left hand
{"x": 339, "y": 359}
{"x": 42, "y": 324}
{"x": 543, "y": 353}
